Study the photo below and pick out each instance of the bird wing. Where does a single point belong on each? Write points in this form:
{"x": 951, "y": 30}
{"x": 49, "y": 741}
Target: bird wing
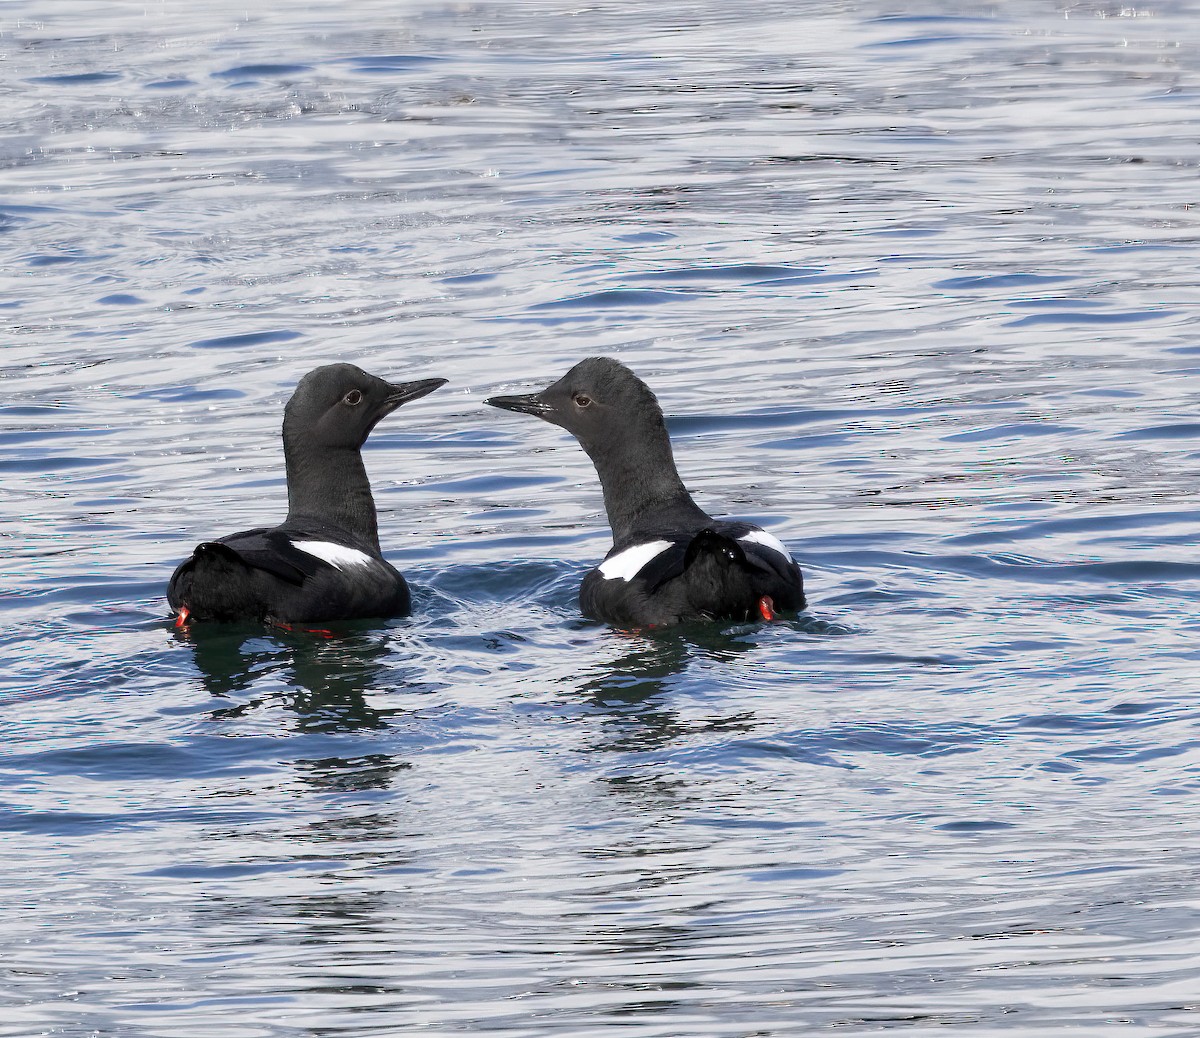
{"x": 267, "y": 550}
{"x": 738, "y": 543}
{"x": 763, "y": 551}
{"x": 678, "y": 553}
{"x": 666, "y": 565}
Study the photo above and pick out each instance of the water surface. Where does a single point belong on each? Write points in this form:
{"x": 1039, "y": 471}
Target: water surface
{"x": 917, "y": 291}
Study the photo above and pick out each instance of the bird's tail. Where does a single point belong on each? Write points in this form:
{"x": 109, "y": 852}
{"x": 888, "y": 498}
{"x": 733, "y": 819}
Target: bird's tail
{"x": 733, "y": 581}
{"x": 714, "y": 545}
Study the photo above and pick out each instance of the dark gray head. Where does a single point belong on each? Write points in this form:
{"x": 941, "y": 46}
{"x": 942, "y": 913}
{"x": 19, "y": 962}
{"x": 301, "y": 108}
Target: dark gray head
{"x": 338, "y": 405}
{"x": 617, "y": 420}
{"x": 600, "y": 401}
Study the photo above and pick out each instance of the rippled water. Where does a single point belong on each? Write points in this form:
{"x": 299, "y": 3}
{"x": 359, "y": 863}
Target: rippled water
{"x": 918, "y": 291}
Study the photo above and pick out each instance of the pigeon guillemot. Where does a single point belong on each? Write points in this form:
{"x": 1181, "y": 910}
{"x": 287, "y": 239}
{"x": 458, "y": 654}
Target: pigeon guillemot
{"x": 323, "y": 561}
{"x": 670, "y": 561}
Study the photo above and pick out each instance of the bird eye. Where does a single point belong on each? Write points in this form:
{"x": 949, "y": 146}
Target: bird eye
{"x": 581, "y": 400}
{"x": 353, "y": 398}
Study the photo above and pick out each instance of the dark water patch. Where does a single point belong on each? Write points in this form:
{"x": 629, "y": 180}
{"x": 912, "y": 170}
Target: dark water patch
{"x": 1097, "y": 870}
{"x": 968, "y": 827}
{"x": 1080, "y": 317}
{"x": 9, "y": 222}
{"x": 190, "y": 394}
{"x": 647, "y": 735}
{"x": 43, "y": 434}
{"x": 1002, "y": 281}
{"x": 120, "y": 299}
{"x": 63, "y": 823}
{"x": 1056, "y": 302}
{"x": 841, "y": 745}
{"x": 808, "y": 443}
{"x": 1182, "y": 431}
{"x": 1006, "y": 566}
{"x": 1138, "y": 246}
{"x": 928, "y": 19}
{"x": 389, "y": 64}
{"x": 234, "y": 342}
{"x": 78, "y": 78}
{"x": 1112, "y": 524}
{"x": 909, "y": 739}
{"x": 940, "y": 40}
{"x": 908, "y": 232}
{"x": 42, "y": 260}
{"x": 40, "y": 464}
{"x": 746, "y": 272}
{"x": 506, "y": 513}
{"x": 766, "y": 825}
{"x": 1014, "y": 430}
{"x": 169, "y": 84}
{"x": 1123, "y": 717}
{"x": 266, "y": 71}
{"x": 14, "y": 208}
{"x": 74, "y": 823}
{"x": 114, "y": 760}
{"x": 789, "y": 874}
{"x": 803, "y": 751}
{"x": 1128, "y": 753}
{"x": 691, "y": 425}
{"x": 495, "y": 484}
{"x": 910, "y": 259}
{"x": 644, "y": 237}
{"x": 698, "y": 424}
{"x": 239, "y": 870}
{"x": 811, "y": 279}
{"x": 616, "y": 298}
{"x": 468, "y": 279}
{"x": 832, "y": 159}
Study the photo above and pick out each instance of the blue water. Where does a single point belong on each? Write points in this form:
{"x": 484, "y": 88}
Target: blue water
{"x": 918, "y": 293}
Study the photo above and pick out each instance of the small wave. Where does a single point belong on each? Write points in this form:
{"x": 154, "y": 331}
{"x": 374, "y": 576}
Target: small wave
{"x": 252, "y": 72}
{"x": 233, "y": 342}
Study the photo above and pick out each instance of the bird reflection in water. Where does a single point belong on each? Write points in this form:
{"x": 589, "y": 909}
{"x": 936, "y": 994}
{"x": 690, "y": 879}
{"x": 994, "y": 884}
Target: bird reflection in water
{"x": 321, "y": 682}
{"x": 631, "y": 692}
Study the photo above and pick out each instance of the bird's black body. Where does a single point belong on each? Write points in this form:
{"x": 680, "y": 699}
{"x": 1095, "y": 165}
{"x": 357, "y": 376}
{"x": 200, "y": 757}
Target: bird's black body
{"x": 323, "y": 562}
{"x": 709, "y": 574}
{"x": 671, "y": 561}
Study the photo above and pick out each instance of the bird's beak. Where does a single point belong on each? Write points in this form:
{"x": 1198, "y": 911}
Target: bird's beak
{"x": 403, "y": 392}
{"x": 531, "y": 403}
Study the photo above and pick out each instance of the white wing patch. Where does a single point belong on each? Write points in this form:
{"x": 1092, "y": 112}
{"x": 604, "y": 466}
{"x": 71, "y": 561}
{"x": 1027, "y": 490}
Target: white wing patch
{"x": 767, "y": 541}
{"x": 337, "y": 555}
{"x": 628, "y": 564}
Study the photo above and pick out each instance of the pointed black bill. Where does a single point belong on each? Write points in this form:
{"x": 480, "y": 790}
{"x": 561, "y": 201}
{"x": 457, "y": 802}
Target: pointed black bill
{"x": 531, "y": 403}
{"x": 403, "y": 392}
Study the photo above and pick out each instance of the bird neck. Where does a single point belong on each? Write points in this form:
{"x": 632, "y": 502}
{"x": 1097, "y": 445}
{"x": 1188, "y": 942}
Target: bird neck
{"x": 641, "y": 484}
{"x": 329, "y": 488}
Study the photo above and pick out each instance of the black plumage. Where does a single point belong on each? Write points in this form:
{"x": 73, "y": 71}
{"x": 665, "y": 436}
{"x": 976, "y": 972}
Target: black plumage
{"x": 323, "y": 562}
{"x": 671, "y": 561}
